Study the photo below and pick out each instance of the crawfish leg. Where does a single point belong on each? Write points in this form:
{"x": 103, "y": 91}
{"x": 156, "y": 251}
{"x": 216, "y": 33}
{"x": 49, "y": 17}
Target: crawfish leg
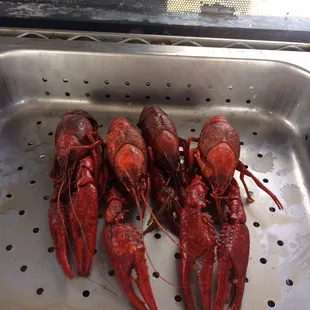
{"x": 58, "y": 228}
{"x": 83, "y": 216}
{"x": 233, "y": 257}
{"x": 243, "y": 172}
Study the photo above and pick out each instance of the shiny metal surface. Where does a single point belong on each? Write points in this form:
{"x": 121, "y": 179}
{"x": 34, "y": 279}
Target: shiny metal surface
{"x": 265, "y": 95}
{"x": 88, "y": 36}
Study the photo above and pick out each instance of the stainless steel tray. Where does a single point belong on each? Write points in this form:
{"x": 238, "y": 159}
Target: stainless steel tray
{"x": 265, "y": 95}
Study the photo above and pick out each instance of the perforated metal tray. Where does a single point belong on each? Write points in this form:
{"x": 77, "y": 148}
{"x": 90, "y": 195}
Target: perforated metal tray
{"x": 263, "y": 93}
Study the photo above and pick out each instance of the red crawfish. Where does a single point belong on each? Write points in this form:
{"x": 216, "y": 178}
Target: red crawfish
{"x": 218, "y": 155}
{"x": 128, "y": 157}
{"x": 77, "y": 173}
{"x": 198, "y": 242}
{"x": 125, "y": 247}
{"x": 160, "y": 134}
{"x": 233, "y": 251}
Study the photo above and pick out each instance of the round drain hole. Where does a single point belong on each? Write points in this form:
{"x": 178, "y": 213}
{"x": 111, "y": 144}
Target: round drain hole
{"x": 265, "y": 180}
{"x": 30, "y": 143}
{"x": 208, "y": 99}
{"x": 263, "y": 260}
{"x": 228, "y": 100}
{"x": 20, "y": 168}
{"x": 256, "y": 224}
{"x": 254, "y": 133}
{"x": 248, "y": 101}
{"x": 9, "y": 196}
{"x": 246, "y": 166}
{"x": 44, "y": 80}
{"x": 157, "y": 236}
{"x": 138, "y": 217}
{"x": 260, "y": 155}
{"x": 246, "y": 280}
{"x": 86, "y": 81}
{"x": 106, "y": 82}
{"x": 35, "y": 230}
{"x": 147, "y": 97}
{"x": 23, "y": 268}
{"x": 156, "y": 275}
{"x": 86, "y": 293}
{"x": 187, "y": 98}
{"x": 95, "y": 252}
{"x": 167, "y": 98}
{"x": 289, "y": 282}
{"x": 40, "y": 291}
{"x": 147, "y": 84}
{"x": 87, "y": 95}
{"x": 280, "y": 243}
{"x": 306, "y": 137}
{"x": 127, "y": 83}
{"x": 47, "y": 93}
{"x": 9, "y": 247}
{"x": 100, "y": 215}
{"x": 32, "y": 182}
{"x": 241, "y": 143}
{"x": 177, "y": 255}
{"x": 193, "y": 130}
{"x": 50, "y": 249}
{"x": 189, "y": 85}
{"x": 21, "y": 212}
{"x": 271, "y": 303}
{"x": 107, "y": 96}
{"x": 127, "y": 96}
{"x": 39, "y": 122}
{"x": 46, "y": 197}
{"x": 111, "y": 273}
{"x": 65, "y": 80}
{"x": 168, "y": 84}
{"x": 272, "y": 209}
{"x": 251, "y": 87}
{"x": 67, "y": 94}
{"x": 177, "y": 298}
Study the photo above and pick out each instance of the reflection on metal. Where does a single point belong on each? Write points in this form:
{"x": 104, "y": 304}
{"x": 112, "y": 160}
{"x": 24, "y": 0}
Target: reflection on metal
{"x": 151, "y": 39}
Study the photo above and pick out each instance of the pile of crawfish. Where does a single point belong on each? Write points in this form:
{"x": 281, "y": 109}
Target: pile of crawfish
{"x": 187, "y": 185}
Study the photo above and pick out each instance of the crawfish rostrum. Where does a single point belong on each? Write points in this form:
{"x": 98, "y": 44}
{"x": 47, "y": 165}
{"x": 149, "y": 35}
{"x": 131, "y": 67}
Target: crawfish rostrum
{"x": 187, "y": 186}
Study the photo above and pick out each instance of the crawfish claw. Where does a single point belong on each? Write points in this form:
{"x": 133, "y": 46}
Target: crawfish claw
{"x": 125, "y": 248}
{"x": 233, "y": 256}
{"x": 58, "y": 224}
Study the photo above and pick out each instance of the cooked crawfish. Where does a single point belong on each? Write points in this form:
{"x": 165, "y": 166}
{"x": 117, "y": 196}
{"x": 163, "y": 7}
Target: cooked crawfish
{"x": 217, "y": 156}
{"x": 128, "y": 157}
{"x": 197, "y": 240}
{"x": 126, "y": 251}
{"x": 77, "y": 175}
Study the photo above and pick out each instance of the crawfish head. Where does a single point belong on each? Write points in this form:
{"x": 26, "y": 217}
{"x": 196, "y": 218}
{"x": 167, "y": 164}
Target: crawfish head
{"x": 128, "y": 156}
{"x": 219, "y": 151}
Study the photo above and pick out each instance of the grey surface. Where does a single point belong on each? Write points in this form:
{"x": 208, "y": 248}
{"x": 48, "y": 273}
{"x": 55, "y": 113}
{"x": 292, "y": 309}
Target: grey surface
{"x": 276, "y": 82}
